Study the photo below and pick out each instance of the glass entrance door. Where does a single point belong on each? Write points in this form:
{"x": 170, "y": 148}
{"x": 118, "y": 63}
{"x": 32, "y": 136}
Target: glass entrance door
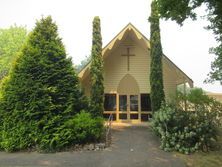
{"x": 123, "y": 107}
{"x": 128, "y": 107}
{"x": 134, "y": 107}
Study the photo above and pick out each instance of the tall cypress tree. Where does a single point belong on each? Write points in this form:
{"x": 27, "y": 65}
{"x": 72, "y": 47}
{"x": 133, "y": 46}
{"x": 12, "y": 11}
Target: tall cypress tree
{"x": 156, "y": 75}
{"x": 96, "y": 70}
{"x": 41, "y": 93}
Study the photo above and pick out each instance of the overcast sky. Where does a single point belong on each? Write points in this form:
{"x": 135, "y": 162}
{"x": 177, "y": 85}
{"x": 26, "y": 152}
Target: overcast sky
{"x": 186, "y": 46}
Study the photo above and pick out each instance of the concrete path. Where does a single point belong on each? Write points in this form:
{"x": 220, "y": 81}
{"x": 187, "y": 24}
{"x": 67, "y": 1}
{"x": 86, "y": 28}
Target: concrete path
{"x": 132, "y": 146}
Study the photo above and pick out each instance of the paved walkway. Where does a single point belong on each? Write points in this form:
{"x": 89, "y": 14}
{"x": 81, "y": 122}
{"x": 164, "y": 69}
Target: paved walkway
{"x": 133, "y": 146}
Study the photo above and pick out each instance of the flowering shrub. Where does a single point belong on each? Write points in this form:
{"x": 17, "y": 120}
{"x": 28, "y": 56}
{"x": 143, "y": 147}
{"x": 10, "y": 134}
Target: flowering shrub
{"x": 188, "y": 131}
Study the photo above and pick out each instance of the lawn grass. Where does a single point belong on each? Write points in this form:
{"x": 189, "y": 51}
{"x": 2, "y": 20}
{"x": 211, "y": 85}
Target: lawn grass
{"x": 201, "y": 159}
{"x": 210, "y": 159}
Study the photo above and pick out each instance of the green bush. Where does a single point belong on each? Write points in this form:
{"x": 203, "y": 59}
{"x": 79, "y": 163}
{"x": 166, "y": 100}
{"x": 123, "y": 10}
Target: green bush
{"x": 85, "y": 128}
{"x": 18, "y": 138}
{"x": 81, "y": 129}
{"x": 188, "y": 131}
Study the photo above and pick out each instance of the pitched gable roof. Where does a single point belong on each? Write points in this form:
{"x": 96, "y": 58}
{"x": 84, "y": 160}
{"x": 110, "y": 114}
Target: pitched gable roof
{"x": 117, "y": 39}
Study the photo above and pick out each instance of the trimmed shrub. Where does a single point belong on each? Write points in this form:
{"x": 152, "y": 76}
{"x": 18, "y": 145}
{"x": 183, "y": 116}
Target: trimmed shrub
{"x": 85, "y": 128}
{"x": 81, "y": 129}
{"x": 41, "y": 93}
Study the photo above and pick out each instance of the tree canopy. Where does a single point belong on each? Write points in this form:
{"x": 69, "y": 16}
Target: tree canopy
{"x": 83, "y": 63}
{"x": 180, "y": 10}
{"x": 156, "y": 73}
{"x": 11, "y": 41}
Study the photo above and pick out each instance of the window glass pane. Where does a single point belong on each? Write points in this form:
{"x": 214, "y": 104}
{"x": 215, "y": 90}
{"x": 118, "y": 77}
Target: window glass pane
{"x": 133, "y": 102}
{"x": 110, "y": 102}
{"x": 122, "y": 102}
{"x": 144, "y": 117}
{"x": 106, "y": 116}
{"x": 145, "y": 102}
{"x": 123, "y": 116}
{"x": 134, "y": 116}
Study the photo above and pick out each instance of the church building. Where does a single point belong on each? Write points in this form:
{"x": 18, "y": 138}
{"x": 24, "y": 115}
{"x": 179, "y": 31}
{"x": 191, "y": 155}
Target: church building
{"x": 126, "y": 76}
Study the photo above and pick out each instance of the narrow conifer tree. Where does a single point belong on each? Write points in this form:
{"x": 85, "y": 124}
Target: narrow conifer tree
{"x": 41, "y": 93}
{"x": 96, "y": 70}
{"x": 156, "y": 75}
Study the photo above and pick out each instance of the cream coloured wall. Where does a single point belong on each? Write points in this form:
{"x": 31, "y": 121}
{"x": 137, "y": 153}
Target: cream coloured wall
{"x": 85, "y": 83}
{"x": 115, "y": 68}
{"x": 169, "y": 78}
{"x": 217, "y": 96}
